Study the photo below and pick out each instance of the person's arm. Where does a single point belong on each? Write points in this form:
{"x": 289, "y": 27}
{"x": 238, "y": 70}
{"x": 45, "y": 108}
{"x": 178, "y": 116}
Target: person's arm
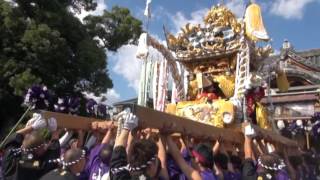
{"x": 129, "y": 142}
{"x": 248, "y": 169}
{"x": 163, "y": 159}
{"x": 186, "y": 169}
{"x": 107, "y": 138}
{"x": 184, "y": 143}
{"x": 80, "y": 139}
{"x": 119, "y": 155}
{"x": 121, "y": 140}
{"x": 257, "y": 150}
{"x": 65, "y": 138}
{"x": 247, "y": 147}
{"x": 38, "y": 124}
{"x": 25, "y": 130}
{"x": 130, "y": 122}
{"x": 261, "y": 147}
{"x": 216, "y": 147}
{"x": 291, "y": 171}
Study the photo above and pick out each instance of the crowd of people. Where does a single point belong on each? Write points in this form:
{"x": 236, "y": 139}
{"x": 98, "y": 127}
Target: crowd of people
{"x": 41, "y": 151}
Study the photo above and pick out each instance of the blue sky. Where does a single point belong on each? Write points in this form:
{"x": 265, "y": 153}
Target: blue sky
{"x": 295, "y": 20}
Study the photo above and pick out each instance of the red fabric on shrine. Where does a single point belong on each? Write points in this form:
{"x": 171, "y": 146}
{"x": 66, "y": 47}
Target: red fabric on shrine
{"x": 208, "y": 96}
{"x": 254, "y": 95}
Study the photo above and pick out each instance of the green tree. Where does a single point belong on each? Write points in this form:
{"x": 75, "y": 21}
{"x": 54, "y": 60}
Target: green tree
{"x": 42, "y": 41}
{"x": 114, "y": 28}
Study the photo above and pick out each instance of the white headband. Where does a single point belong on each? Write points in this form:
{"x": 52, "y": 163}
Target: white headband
{"x": 275, "y": 167}
{"x": 131, "y": 169}
{"x": 67, "y": 164}
{"x": 19, "y": 150}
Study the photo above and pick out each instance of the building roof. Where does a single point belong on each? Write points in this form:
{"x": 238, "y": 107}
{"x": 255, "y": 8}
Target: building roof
{"x": 310, "y": 58}
{"x": 126, "y": 102}
{"x": 297, "y": 64}
{"x": 132, "y": 101}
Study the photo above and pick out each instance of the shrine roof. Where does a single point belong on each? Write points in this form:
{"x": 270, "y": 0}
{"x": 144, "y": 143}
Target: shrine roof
{"x": 216, "y": 36}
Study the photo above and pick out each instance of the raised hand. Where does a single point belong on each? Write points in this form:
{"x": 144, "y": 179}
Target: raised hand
{"x": 35, "y": 116}
{"x": 39, "y": 124}
{"x": 130, "y": 120}
{"x": 52, "y": 124}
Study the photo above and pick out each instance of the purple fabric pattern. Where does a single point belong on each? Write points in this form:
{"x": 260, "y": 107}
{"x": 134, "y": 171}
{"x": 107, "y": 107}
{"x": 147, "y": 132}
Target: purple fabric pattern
{"x": 174, "y": 170}
{"x": 232, "y": 176}
{"x": 91, "y": 107}
{"x": 282, "y": 175}
{"x": 67, "y": 105}
{"x": 38, "y": 97}
{"x": 95, "y": 168}
{"x": 207, "y": 175}
{"x": 101, "y": 111}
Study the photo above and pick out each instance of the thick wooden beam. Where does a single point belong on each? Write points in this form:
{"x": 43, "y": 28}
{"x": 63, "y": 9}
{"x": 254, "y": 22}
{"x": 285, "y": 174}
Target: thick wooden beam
{"x": 274, "y": 137}
{"x": 158, "y": 120}
{"x": 70, "y": 121}
{"x": 269, "y": 136}
{"x": 149, "y": 118}
{"x": 292, "y": 118}
{"x": 291, "y": 98}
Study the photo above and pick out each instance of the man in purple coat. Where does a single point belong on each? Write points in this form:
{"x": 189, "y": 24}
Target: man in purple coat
{"x": 99, "y": 158}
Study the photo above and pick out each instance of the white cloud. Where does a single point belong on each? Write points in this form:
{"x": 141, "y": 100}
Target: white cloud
{"x": 101, "y": 6}
{"x": 237, "y": 7}
{"x": 179, "y": 20}
{"x": 290, "y": 9}
{"x": 127, "y": 65}
{"x": 112, "y": 96}
{"x": 105, "y": 98}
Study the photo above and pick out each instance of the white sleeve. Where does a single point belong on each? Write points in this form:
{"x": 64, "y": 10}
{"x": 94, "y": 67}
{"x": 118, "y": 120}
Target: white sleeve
{"x": 65, "y": 138}
{"x": 92, "y": 140}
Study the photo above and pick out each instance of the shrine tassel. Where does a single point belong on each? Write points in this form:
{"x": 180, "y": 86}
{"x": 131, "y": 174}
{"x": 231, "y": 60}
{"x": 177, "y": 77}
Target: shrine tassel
{"x": 162, "y": 86}
{"x": 155, "y": 80}
{"x": 142, "y": 92}
{"x": 175, "y": 97}
{"x": 145, "y": 81}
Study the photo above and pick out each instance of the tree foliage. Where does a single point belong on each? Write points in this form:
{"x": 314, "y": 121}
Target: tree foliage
{"x": 114, "y": 28}
{"x": 42, "y": 41}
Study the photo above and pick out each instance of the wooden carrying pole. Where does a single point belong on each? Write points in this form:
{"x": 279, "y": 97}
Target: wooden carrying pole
{"x": 149, "y": 118}
{"x": 158, "y": 120}
{"x": 274, "y": 137}
{"x": 70, "y": 121}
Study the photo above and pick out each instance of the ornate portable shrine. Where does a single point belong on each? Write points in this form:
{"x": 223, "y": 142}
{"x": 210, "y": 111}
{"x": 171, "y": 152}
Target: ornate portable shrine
{"x": 221, "y": 59}
{"x": 217, "y": 83}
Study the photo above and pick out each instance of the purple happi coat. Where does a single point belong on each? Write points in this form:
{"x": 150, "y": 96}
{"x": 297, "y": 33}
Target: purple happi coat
{"x": 207, "y": 175}
{"x": 282, "y": 175}
{"x": 231, "y": 176}
{"x": 95, "y": 168}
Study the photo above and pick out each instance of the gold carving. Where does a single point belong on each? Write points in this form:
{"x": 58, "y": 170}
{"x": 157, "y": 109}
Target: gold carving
{"x": 219, "y": 35}
{"x": 221, "y": 16}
